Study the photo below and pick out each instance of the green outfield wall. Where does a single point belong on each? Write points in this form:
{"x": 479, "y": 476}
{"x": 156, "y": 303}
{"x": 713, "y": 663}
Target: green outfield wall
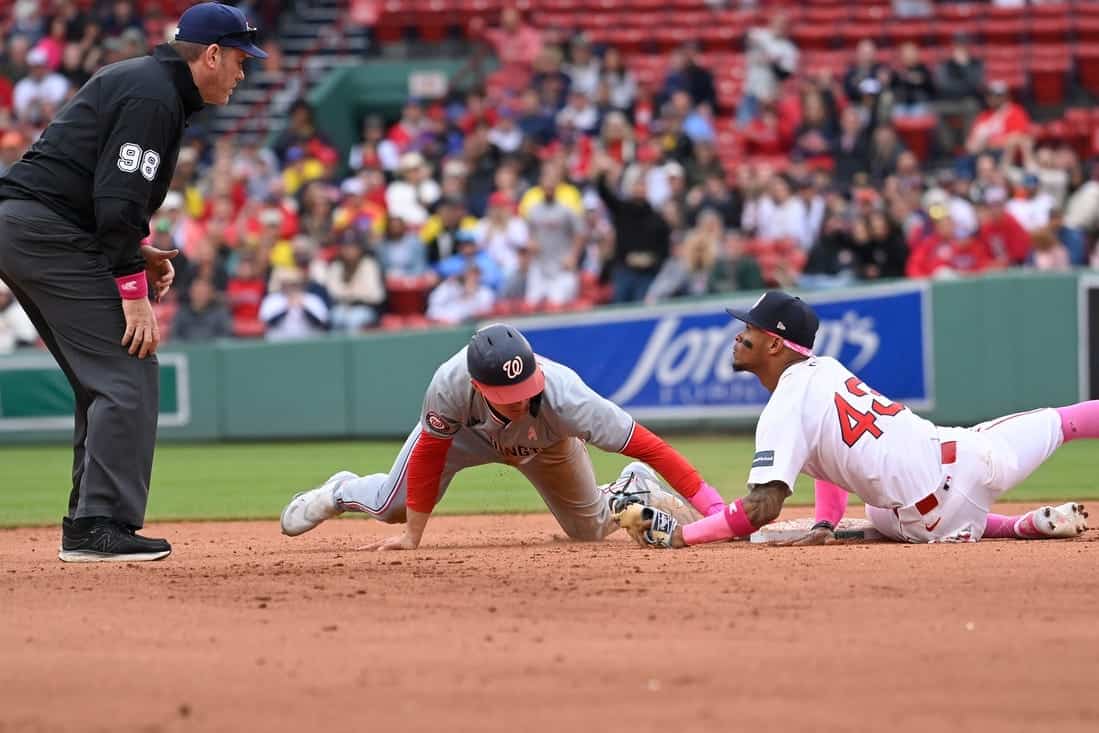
{"x": 999, "y": 344}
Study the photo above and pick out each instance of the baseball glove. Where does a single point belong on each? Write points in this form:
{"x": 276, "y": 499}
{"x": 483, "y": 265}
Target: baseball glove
{"x": 647, "y": 526}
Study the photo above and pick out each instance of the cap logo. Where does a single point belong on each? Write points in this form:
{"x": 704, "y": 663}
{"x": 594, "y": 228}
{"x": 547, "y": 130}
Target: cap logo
{"x": 780, "y": 326}
{"x": 513, "y": 367}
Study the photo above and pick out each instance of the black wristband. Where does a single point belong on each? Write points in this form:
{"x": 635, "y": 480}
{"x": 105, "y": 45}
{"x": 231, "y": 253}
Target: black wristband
{"x": 825, "y": 524}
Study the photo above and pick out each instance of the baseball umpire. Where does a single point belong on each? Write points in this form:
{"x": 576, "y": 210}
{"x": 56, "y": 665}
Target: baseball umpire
{"x": 73, "y": 213}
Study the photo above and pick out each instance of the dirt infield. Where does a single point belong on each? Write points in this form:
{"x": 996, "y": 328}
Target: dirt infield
{"x": 500, "y": 626}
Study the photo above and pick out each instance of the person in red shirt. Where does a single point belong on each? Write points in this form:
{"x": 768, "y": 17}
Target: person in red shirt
{"x": 1001, "y": 234}
{"x": 944, "y": 254}
{"x": 1001, "y": 127}
{"x": 245, "y": 292}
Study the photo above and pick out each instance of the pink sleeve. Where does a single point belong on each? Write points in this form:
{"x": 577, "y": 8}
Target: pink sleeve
{"x": 831, "y": 502}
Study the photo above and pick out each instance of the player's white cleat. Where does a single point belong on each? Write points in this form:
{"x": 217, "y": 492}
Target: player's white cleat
{"x": 638, "y": 483}
{"x": 309, "y": 508}
{"x": 1066, "y": 520}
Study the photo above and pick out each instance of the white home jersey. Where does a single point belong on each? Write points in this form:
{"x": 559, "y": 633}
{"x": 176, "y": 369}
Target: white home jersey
{"x": 823, "y": 421}
{"x": 569, "y": 409}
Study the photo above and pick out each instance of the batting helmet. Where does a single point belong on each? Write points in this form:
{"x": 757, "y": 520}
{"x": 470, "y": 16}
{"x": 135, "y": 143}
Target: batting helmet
{"x": 502, "y": 365}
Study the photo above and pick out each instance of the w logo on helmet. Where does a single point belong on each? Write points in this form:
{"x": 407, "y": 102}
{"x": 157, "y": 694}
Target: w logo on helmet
{"x": 513, "y": 367}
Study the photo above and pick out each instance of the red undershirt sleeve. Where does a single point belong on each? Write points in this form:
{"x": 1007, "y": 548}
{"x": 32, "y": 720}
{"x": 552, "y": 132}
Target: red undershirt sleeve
{"x": 668, "y": 462}
{"x": 425, "y": 469}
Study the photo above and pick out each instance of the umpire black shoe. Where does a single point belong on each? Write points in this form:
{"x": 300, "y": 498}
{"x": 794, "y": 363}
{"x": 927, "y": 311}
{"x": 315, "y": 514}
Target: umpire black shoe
{"x": 101, "y": 539}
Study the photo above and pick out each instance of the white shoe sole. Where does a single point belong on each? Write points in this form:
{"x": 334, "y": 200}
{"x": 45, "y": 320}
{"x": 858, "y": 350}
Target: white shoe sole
{"x": 92, "y": 556}
{"x": 286, "y": 511}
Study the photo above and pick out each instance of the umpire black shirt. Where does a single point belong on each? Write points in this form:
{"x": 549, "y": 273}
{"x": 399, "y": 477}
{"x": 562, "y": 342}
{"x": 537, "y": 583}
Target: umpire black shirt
{"x": 105, "y": 161}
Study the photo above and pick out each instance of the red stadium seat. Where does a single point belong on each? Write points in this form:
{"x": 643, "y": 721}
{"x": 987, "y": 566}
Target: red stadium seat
{"x": 1088, "y": 65}
{"x": 917, "y": 134}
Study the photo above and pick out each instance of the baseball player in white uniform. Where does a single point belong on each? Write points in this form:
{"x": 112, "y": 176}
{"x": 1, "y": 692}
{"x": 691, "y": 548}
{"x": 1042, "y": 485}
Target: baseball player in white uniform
{"x": 495, "y": 401}
{"x": 920, "y": 482}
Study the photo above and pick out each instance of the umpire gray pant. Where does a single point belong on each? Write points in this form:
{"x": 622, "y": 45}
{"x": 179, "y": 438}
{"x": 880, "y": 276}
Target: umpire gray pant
{"x": 65, "y": 285}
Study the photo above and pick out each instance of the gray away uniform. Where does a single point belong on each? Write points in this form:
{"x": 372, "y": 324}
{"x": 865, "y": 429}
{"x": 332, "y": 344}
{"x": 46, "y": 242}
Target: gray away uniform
{"x": 548, "y": 449}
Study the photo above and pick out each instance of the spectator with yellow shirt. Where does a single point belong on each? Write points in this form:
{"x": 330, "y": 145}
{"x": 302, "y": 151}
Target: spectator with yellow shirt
{"x": 551, "y": 185}
{"x": 440, "y": 233}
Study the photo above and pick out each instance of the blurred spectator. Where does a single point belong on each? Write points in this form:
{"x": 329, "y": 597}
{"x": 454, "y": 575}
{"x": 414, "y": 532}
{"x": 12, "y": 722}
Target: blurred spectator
{"x": 1072, "y": 239}
{"x": 557, "y": 239}
{"x": 1049, "y": 254}
{"x": 536, "y": 119}
{"x": 550, "y": 78}
{"x": 37, "y": 96}
{"x": 502, "y": 233}
{"x": 642, "y": 239}
{"x": 913, "y": 85}
{"x": 771, "y": 59}
{"x": 579, "y": 114}
{"x": 403, "y": 253}
{"x": 865, "y": 66}
{"x": 506, "y": 135}
{"x": 813, "y": 203}
{"x": 699, "y": 79}
{"x": 777, "y": 214}
{"x": 943, "y": 254}
{"x": 620, "y": 80}
{"x": 951, "y": 194}
{"x": 290, "y": 312}
{"x": 354, "y": 282}
{"x": 515, "y": 43}
{"x": 960, "y": 84}
{"x": 300, "y": 132}
{"x": 1031, "y": 207}
{"x": 693, "y": 268}
{"x": 715, "y": 193}
{"x": 852, "y": 148}
{"x": 516, "y": 284}
{"x": 816, "y": 136}
{"x": 414, "y": 192}
{"x": 583, "y": 67}
{"x": 1000, "y": 233}
{"x": 469, "y": 255}
{"x": 367, "y": 153}
{"x": 1082, "y": 207}
{"x": 598, "y": 237}
{"x": 440, "y": 232}
{"x": 884, "y": 153}
{"x": 1002, "y": 128}
{"x": 203, "y": 317}
{"x": 245, "y": 290}
{"x": 119, "y": 17}
{"x": 551, "y": 185}
{"x": 460, "y": 299}
{"x": 16, "y": 328}
{"x": 886, "y": 253}
{"x": 833, "y": 260}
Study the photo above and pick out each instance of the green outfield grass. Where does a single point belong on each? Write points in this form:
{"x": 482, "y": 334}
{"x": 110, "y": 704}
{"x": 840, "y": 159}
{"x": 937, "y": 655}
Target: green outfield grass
{"x": 254, "y": 480}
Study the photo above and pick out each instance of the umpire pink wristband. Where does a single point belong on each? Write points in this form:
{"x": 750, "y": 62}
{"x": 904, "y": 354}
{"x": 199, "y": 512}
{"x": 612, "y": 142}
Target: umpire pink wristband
{"x": 707, "y": 501}
{"x": 133, "y": 287}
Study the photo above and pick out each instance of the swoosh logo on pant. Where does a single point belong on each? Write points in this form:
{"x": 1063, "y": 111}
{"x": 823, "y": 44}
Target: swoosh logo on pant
{"x": 932, "y": 526}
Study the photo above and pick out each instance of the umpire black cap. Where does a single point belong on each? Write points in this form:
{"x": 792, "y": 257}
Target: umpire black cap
{"x": 210, "y": 23}
{"x": 502, "y": 365}
{"x": 785, "y": 316}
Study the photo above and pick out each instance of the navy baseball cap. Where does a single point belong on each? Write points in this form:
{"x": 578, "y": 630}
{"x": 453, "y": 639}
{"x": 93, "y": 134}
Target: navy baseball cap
{"x": 785, "y": 316}
{"x": 210, "y": 23}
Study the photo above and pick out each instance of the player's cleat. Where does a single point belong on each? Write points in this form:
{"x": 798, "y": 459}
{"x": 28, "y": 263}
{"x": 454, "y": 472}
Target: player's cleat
{"x": 101, "y": 539}
{"x": 1065, "y": 520}
{"x": 639, "y": 484}
{"x": 309, "y": 508}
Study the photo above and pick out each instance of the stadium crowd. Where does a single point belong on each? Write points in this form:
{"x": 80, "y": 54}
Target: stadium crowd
{"x": 563, "y": 181}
